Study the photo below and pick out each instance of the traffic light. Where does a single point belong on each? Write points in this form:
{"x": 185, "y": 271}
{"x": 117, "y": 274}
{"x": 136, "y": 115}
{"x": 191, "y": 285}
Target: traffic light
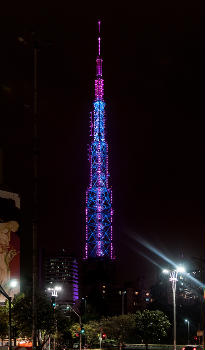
{"x": 53, "y": 302}
{"x": 104, "y": 336}
{"x": 77, "y": 334}
{"x": 82, "y": 330}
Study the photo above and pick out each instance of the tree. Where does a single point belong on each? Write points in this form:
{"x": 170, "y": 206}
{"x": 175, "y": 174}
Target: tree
{"x": 92, "y": 331}
{"x": 22, "y": 317}
{"x": 75, "y": 330}
{"x": 3, "y": 322}
{"x": 151, "y": 326}
{"x": 119, "y": 328}
{"x": 64, "y": 323}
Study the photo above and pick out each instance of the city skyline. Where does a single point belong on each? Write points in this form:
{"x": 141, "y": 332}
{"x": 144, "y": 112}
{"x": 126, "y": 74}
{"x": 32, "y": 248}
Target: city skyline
{"x": 153, "y": 93}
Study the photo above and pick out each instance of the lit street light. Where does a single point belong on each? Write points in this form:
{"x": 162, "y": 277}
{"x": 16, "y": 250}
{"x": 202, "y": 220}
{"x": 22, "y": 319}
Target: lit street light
{"x": 187, "y": 321}
{"x": 54, "y": 290}
{"x": 80, "y": 322}
{"x": 173, "y": 279}
{"x": 12, "y": 284}
{"x": 54, "y": 294}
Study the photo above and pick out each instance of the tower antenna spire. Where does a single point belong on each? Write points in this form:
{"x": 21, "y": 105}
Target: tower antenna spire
{"x": 99, "y": 22}
{"x": 99, "y": 59}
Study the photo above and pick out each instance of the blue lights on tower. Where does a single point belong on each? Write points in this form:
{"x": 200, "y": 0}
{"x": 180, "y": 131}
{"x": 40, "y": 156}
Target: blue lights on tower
{"x": 99, "y": 195}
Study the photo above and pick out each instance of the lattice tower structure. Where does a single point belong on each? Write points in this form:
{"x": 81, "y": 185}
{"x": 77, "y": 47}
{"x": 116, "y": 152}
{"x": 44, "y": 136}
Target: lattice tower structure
{"x": 98, "y": 195}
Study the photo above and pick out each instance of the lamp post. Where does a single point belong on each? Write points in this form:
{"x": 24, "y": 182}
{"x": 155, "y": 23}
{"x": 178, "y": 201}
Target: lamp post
{"x": 3, "y": 292}
{"x": 187, "y": 321}
{"x": 85, "y": 306}
{"x": 173, "y": 279}
{"x": 53, "y": 290}
{"x": 35, "y": 214}
{"x": 80, "y": 322}
{"x": 85, "y": 309}
{"x": 123, "y": 301}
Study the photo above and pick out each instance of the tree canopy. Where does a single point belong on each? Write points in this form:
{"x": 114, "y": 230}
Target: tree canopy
{"x": 119, "y": 328}
{"x": 22, "y": 316}
{"x": 151, "y": 325}
{"x": 92, "y": 331}
{"x": 3, "y": 322}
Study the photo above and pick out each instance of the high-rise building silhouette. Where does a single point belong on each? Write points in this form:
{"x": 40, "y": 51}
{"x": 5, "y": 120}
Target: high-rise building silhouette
{"x": 99, "y": 194}
{"x": 61, "y": 271}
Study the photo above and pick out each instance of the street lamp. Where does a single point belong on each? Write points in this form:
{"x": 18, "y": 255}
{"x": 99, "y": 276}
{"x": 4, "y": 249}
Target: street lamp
{"x": 3, "y": 292}
{"x": 85, "y": 307}
{"x": 54, "y": 290}
{"x": 13, "y": 283}
{"x": 57, "y": 288}
{"x": 187, "y": 321}
{"x": 123, "y": 300}
{"x": 80, "y": 322}
{"x": 173, "y": 279}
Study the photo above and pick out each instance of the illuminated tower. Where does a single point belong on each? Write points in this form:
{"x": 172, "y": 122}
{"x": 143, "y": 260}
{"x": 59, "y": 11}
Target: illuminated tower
{"x": 99, "y": 195}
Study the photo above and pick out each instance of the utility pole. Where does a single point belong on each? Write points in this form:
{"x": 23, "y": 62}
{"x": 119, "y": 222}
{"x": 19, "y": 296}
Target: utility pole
{"x": 173, "y": 274}
{"x": 123, "y": 302}
{"x": 10, "y": 336}
{"x": 187, "y": 321}
{"x": 80, "y": 322}
{"x": 100, "y": 339}
{"x": 80, "y": 333}
{"x": 35, "y": 45}
{"x": 3, "y": 292}
{"x": 35, "y": 192}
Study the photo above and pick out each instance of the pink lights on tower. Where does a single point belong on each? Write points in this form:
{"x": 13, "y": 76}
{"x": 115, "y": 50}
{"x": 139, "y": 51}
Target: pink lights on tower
{"x": 99, "y": 60}
{"x": 99, "y": 46}
{"x": 99, "y": 88}
{"x": 99, "y": 67}
{"x": 98, "y": 195}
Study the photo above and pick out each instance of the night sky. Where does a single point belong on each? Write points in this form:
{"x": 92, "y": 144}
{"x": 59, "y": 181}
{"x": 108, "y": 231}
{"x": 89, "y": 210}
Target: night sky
{"x": 152, "y": 68}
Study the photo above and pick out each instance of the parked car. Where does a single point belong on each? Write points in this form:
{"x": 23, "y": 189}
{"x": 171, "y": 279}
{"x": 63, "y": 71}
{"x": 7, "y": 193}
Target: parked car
{"x": 192, "y": 347}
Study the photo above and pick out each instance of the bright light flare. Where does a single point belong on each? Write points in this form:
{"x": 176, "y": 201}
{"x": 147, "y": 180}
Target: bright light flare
{"x": 58, "y": 288}
{"x": 181, "y": 269}
{"x": 144, "y": 243}
{"x": 13, "y": 283}
{"x": 165, "y": 271}
{"x": 154, "y": 250}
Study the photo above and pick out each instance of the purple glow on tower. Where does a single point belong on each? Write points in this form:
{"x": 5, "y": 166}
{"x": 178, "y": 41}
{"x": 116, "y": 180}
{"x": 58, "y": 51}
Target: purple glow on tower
{"x": 99, "y": 46}
{"x": 98, "y": 196}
